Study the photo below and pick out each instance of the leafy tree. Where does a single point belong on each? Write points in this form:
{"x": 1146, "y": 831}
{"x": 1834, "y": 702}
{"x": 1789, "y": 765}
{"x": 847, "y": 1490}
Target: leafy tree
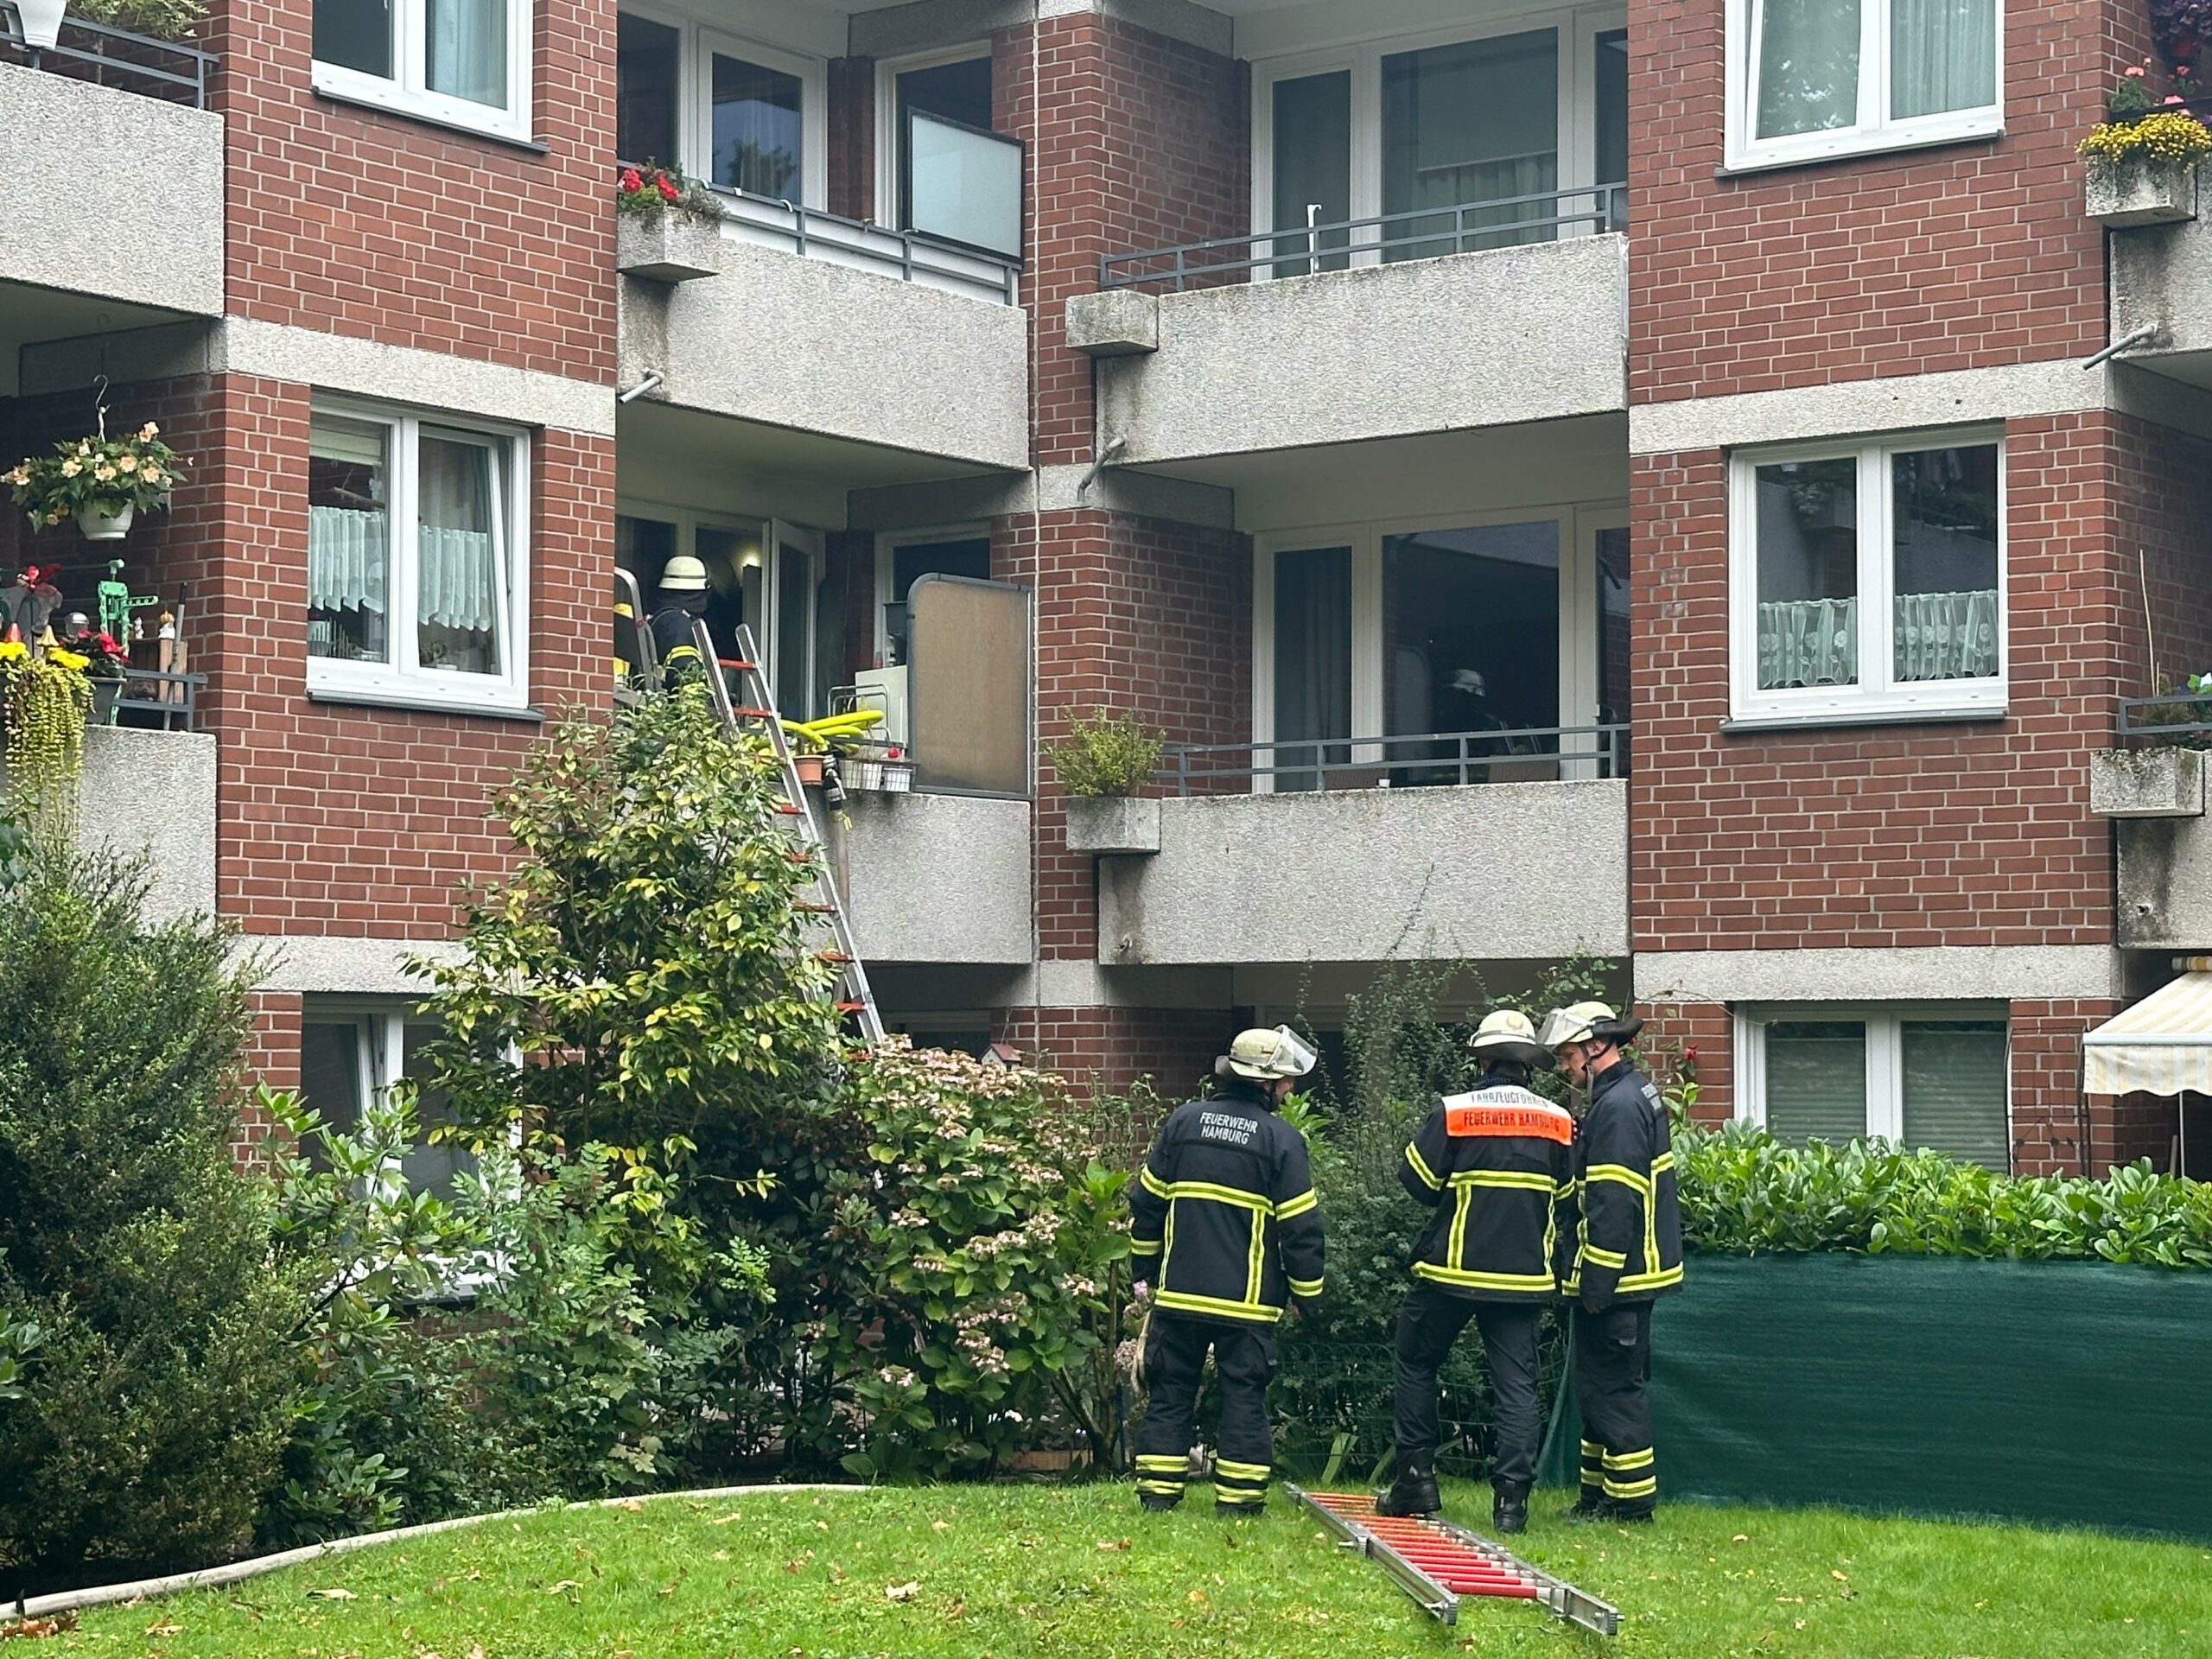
{"x": 158, "y": 1392}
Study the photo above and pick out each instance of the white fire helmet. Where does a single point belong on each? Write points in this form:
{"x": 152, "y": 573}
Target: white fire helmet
{"x": 1265, "y": 1052}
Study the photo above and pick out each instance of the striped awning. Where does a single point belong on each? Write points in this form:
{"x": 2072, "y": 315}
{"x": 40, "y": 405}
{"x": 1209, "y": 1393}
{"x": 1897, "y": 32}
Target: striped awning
{"x": 2163, "y": 1046}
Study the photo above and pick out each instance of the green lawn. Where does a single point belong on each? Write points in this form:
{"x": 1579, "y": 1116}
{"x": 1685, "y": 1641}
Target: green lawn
{"x": 1014, "y": 1571}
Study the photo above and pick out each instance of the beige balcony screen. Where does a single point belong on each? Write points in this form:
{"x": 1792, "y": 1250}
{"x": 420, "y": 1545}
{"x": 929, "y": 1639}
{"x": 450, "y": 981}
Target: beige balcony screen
{"x": 968, "y": 644}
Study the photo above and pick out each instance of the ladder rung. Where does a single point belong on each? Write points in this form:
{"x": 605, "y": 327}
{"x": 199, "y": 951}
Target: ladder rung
{"x": 831, "y": 957}
{"x": 851, "y": 1007}
{"x": 750, "y": 713}
{"x": 816, "y": 906}
{"x": 736, "y": 661}
{"x": 785, "y": 809}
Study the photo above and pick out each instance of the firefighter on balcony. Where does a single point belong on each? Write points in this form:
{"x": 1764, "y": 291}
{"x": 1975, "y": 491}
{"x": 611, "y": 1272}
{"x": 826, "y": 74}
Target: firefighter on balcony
{"x": 1227, "y": 1231}
{"x": 1494, "y": 1163}
{"x": 680, "y": 598}
{"x": 1628, "y": 1252}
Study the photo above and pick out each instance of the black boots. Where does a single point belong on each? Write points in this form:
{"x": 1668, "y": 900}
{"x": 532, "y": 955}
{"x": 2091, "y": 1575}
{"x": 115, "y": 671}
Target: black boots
{"x": 1584, "y": 1510}
{"x": 1413, "y": 1492}
{"x": 1155, "y": 1504}
{"x": 1509, "y": 1510}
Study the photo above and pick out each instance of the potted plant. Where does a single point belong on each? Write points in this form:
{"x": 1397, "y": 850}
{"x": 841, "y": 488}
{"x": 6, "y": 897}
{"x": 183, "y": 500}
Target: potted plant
{"x": 667, "y": 228}
{"x": 1101, "y": 762}
{"x": 102, "y": 482}
{"x": 43, "y": 702}
{"x": 160, "y": 20}
{"x": 104, "y": 663}
{"x": 2142, "y": 159}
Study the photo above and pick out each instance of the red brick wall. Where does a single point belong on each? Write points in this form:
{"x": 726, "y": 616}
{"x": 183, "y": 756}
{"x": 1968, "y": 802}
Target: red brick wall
{"x": 1141, "y": 616}
{"x": 1113, "y": 1047}
{"x": 851, "y": 138}
{"x": 1909, "y": 834}
{"x": 383, "y": 228}
{"x": 1145, "y": 141}
{"x": 2164, "y": 481}
{"x": 1960, "y": 256}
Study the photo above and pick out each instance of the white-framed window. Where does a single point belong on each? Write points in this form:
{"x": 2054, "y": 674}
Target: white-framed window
{"x": 1930, "y": 1075}
{"x": 1808, "y": 79}
{"x": 418, "y": 569}
{"x": 1428, "y": 130}
{"x": 953, "y": 84}
{"x": 903, "y": 557}
{"x": 462, "y": 63}
{"x": 351, "y": 1053}
{"x": 737, "y": 112}
{"x": 1437, "y": 629}
{"x": 1866, "y": 581}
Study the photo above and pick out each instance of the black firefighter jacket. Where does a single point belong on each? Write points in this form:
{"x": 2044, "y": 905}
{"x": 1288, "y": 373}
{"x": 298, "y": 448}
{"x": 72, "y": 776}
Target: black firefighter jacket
{"x": 1629, "y": 1243}
{"x": 1495, "y": 1164}
{"x": 1223, "y": 1217}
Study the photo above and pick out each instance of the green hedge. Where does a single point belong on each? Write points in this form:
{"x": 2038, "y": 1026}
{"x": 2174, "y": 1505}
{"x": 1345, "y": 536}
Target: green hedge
{"x": 1744, "y": 1194}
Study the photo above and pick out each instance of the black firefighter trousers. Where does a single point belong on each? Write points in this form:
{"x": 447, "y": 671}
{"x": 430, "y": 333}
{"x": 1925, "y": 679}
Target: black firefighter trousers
{"x": 1429, "y": 1320}
{"x": 1174, "y": 1360}
{"x": 1612, "y": 1362}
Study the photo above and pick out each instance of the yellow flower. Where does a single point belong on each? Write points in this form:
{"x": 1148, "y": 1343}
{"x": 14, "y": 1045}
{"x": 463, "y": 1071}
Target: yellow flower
{"x": 11, "y": 649}
{"x": 72, "y": 467}
{"x": 149, "y": 432}
{"x": 65, "y": 658}
{"x": 105, "y": 474}
{"x": 150, "y": 474}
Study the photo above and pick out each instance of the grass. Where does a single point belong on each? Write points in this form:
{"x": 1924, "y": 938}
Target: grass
{"x": 1015, "y": 1571}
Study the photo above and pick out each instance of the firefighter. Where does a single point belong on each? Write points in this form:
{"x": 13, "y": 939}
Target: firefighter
{"x": 1493, "y": 1164}
{"x": 1628, "y": 1253}
{"x": 1227, "y": 1230}
{"x": 680, "y": 598}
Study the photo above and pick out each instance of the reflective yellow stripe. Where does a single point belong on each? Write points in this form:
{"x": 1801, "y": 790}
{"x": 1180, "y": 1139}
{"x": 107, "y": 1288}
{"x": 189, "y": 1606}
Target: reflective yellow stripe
{"x": 1256, "y": 1262}
{"x": 1605, "y": 1258}
{"x": 1564, "y": 1190}
{"x": 1455, "y": 1250}
{"x": 1643, "y": 1488}
{"x": 1174, "y": 1190}
{"x": 1628, "y": 1460}
{"x": 1621, "y": 1173}
{"x": 1181, "y": 1301}
{"x": 1154, "y": 1184}
{"x": 1664, "y": 1160}
{"x": 1420, "y": 1168}
{"x": 1309, "y": 1288}
{"x": 1538, "y": 1281}
{"x": 1502, "y": 1178}
{"x": 1590, "y": 1449}
{"x": 1297, "y": 1206}
{"x": 1167, "y": 1242}
{"x": 1240, "y": 1470}
{"x": 1162, "y": 1462}
{"x": 1653, "y": 1280}
{"x": 1161, "y": 1488}
{"x": 1144, "y": 1246}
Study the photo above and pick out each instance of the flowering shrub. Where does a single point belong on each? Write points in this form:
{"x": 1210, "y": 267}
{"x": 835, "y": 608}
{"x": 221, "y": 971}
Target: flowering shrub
{"x": 2164, "y": 138}
{"x": 649, "y": 191}
{"x": 104, "y": 473}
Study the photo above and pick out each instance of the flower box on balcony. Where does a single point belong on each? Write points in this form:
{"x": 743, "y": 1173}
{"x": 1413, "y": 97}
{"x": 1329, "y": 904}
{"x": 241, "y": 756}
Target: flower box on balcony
{"x": 1101, "y": 824}
{"x": 667, "y": 247}
{"x": 2128, "y": 196}
{"x": 2147, "y": 784}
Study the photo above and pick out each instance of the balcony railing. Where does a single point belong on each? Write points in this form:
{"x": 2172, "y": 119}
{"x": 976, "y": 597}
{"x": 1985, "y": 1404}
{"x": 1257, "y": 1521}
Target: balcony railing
{"x": 1534, "y": 754}
{"x": 1417, "y": 233}
{"x": 813, "y": 233}
{"x": 2176, "y": 720}
{"x": 115, "y": 57}
{"x": 152, "y": 699}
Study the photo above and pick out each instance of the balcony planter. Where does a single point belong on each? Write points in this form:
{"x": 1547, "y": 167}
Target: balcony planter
{"x": 2129, "y": 196}
{"x": 667, "y": 247}
{"x": 95, "y": 524}
{"x": 1107, "y": 824}
{"x": 2147, "y": 784}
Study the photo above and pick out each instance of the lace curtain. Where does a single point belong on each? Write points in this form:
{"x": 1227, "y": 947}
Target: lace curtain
{"x": 348, "y": 565}
{"x": 1938, "y": 637}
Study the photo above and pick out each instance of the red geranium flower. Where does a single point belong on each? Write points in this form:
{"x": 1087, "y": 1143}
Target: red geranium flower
{"x": 630, "y": 179}
{"x": 668, "y": 191}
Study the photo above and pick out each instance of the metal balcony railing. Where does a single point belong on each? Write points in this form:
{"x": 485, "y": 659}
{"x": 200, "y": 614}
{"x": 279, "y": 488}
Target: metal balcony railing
{"x": 169, "y": 70}
{"x": 1417, "y": 233}
{"x": 1530, "y": 754}
{"x": 170, "y": 701}
{"x": 2178, "y": 720}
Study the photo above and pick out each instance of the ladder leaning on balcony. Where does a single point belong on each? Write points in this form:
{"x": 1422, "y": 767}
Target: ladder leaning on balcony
{"x": 752, "y": 713}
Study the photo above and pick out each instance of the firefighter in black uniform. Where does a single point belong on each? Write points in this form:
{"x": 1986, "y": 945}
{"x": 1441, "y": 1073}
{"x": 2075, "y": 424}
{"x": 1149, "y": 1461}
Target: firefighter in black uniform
{"x": 1628, "y": 1253}
{"x": 1227, "y": 1230}
{"x": 678, "y": 601}
{"x": 1494, "y": 1163}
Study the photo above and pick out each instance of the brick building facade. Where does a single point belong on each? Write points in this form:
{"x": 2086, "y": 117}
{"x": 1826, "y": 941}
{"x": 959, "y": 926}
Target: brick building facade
{"x": 1688, "y": 486}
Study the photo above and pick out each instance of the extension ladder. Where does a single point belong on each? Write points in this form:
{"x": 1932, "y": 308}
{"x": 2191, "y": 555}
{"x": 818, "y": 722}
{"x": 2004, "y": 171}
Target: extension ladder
{"x": 1437, "y": 1563}
{"x": 753, "y": 710}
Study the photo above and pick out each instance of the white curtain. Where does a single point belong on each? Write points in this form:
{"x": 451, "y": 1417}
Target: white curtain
{"x": 1946, "y": 636}
{"x": 346, "y": 559}
{"x": 1808, "y": 66}
{"x": 457, "y": 550}
{"x": 1942, "y": 56}
{"x": 456, "y": 589}
{"x": 1809, "y": 642}
{"x": 1938, "y": 637}
{"x": 468, "y": 50}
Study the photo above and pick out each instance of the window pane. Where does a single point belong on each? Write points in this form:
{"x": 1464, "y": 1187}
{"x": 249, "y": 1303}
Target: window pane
{"x": 1955, "y": 1090}
{"x": 430, "y": 1165}
{"x": 330, "y": 1070}
{"x": 1808, "y": 66}
{"x": 1942, "y": 56}
{"x": 963, "y": 185}
{"x": 1612, "y": 119}
{"x": 1808, "y": 531}
{"x": 794, "y": 596}
{"x": 1946, "y": 552}
{"x": 1313, "y": 663}
{"x": 460, "y": 557}
{"x": 1312, "y": 167}
{"x": 756, "y": 129}
{"x": 732, "y": 556}
{"x": 968, "y": 557}
{"x": 349, "y": 538}
{"x": 1470, "y": 645}
{"x": 1473, "y": 122}
{"x": 958, "y": 92}
{"x": 1612, "y": 626}
{"x": 645, "y": 65}
{"x": 1816, "y": 1081}
{"x": 355, "y": 34}
{"x": 829, "y": 639}
{"x": 468, "y": 44}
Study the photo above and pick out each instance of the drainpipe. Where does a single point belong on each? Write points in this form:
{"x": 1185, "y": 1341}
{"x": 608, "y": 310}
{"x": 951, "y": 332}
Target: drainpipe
{"x": 2143, "y": 336}
{"x": 652, "y": 379}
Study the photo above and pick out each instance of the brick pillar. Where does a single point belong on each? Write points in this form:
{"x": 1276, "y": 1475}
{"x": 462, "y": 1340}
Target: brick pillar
{"x": 273, "y": 1058}
{"x": 851, "y": 138}
{"x": 2051, "y": 1115}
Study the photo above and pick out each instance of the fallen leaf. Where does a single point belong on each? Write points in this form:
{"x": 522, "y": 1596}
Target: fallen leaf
{"x": 1838, "y": 1576}
{"x": 722, "y": 1555}
{"x": 836, "y": 1572}
{"x": 1114, "y": 1543}
{"x": 475, "y": 1652}
{"x": 38, "y": 1627}
{"x": 822, "y": 1526}
{"x": 164, "y": 1627}
{"x": 959, "y": 1609}
{"x": 632, "y": 1505}
{"x": 565, "y": 1584}
{"x": 334, "y": 1595}
{"x": 939, "y": 1526}
{"x": 724, "y": 1519}
{"x": 1741, "y": 1538}
{"x": 902, "y": 1591}
{"x": 1196, "y": 1598}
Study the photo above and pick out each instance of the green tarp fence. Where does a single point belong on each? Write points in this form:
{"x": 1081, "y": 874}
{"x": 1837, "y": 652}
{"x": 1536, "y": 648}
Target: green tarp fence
{"x": 2062, "y": 1393}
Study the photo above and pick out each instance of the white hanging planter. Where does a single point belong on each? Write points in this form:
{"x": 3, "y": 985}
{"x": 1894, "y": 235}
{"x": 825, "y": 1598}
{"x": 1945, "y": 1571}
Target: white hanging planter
{"x": 98, "y": 526}
{"x": 41, "y": 21}
{"x": 2128, "y": 196}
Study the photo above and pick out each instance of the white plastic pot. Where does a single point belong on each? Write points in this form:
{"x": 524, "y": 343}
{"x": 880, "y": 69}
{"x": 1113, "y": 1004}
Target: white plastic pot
{"x": 98, "y": 526}
{"x": 41, "y": 21}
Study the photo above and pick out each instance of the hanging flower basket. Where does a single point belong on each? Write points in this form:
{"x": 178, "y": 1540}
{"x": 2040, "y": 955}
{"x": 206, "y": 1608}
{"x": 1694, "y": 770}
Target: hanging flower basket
{"x": 44, "y": 703}
{"x": 101, "y": 482}
{"x": 98, "y": 525}
{"x": 2142, "y": 170}
{"x": 667, "y": 228}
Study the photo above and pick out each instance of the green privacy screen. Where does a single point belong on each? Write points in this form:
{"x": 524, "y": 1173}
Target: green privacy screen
{"x": 2058, "y": 1392}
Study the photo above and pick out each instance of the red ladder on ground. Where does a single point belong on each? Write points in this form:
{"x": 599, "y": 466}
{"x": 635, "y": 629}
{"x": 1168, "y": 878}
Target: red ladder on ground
{"x": 1437, "y": 1563}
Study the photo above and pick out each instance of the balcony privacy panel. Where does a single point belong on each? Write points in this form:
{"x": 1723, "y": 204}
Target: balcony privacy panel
{"x": 969, "y": 701}
{"x": 966, "y": 185}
